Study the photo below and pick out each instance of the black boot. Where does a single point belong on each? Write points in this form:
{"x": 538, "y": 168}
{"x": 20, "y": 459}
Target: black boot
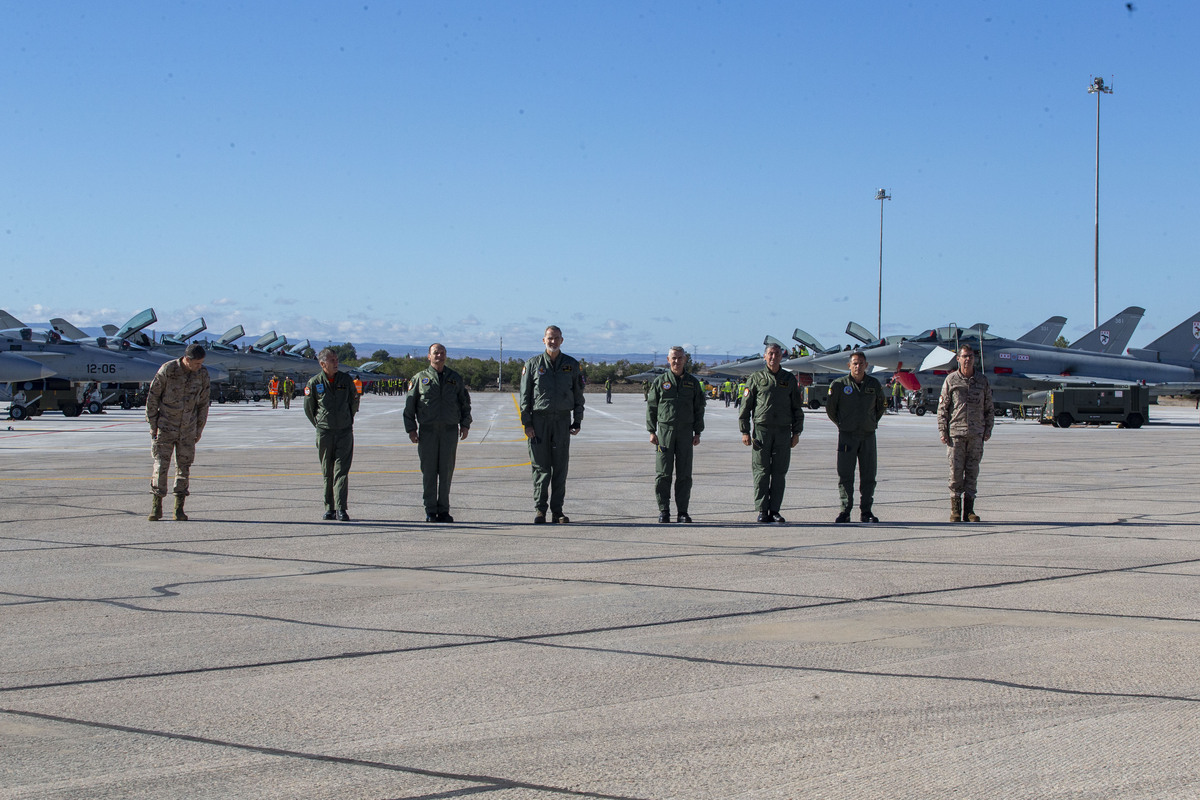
{"x": 155, "y": 508}
{"x": 969, "y": 508}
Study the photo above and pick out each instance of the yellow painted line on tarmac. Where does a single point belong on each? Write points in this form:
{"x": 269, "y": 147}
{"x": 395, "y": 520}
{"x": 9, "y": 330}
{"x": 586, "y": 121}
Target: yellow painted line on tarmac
{"x": 57, "y": 479}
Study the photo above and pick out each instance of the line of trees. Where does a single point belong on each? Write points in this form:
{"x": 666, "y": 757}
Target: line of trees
{"x": 482, "y": 373}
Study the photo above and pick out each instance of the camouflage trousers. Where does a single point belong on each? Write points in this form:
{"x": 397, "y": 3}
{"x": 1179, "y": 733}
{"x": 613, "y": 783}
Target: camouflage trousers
{"x": 162, "y": 449}
{"x": 964, "y": 454}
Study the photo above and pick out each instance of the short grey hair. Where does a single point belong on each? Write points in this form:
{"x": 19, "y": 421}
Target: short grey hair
{"x": 325, "y": 354}
{"x": 678, "y": 349}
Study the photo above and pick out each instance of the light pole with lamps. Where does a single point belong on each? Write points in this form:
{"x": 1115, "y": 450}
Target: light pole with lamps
{"x": 880, "y": 195}
{"x": 1097, "y": 88}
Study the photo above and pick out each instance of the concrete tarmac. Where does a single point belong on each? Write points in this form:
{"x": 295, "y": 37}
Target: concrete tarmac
{"x": 1050, "y": 651}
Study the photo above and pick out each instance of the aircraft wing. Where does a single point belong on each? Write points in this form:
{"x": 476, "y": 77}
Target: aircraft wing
{"x": 1075, "y": 380}
{"x": 937, "y": 358}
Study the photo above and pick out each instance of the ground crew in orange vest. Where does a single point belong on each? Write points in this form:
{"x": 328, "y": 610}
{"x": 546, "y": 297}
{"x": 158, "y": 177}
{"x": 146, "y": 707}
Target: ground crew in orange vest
{"x": 273, "y": 390}
{"x": 358, "y": 385}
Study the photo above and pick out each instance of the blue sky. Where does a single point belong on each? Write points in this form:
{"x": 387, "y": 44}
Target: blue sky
{"x": 641, "y": 174}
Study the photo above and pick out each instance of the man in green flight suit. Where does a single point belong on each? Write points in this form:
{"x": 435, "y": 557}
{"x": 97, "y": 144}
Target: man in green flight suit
{"x": 856, "y": 404}
{"x": 675, "y": 419}
{"x": 437, "y": 416}
{"x": 773, "y": 401}
{"x": 551, "y": 402}
{"x": 330, "y": 403}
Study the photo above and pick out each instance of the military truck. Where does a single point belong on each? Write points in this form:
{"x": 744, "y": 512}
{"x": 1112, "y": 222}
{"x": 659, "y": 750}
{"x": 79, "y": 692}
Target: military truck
{"x": 1127, "y": 406}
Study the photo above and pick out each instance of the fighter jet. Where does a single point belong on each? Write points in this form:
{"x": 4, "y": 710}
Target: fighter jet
{"x": 1168, "y": 365}
{"x": 70, "y": 363}
{"x": 131, "y": 339}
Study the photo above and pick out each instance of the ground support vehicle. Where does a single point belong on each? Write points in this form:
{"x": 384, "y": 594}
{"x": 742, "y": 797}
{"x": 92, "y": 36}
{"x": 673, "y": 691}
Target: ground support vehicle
{"x": 1127, "y": 406}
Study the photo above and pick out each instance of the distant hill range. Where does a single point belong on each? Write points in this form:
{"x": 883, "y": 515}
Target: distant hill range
{"x": 365, "y": 350}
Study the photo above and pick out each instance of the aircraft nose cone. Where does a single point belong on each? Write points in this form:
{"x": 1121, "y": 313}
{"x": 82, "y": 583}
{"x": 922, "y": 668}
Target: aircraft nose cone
{"x": 15, "y": 368}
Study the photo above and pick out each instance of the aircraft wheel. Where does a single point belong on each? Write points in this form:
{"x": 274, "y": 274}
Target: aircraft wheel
{"x": 221, "y": 399}
{"x": 1134, "y": 421}
{"x": 814, "y": 405}
{"x": 18, "y": 412}
{"x": 920, "y": 412}
{"x": 1063, "y": 420}
{"x": 94, "y": 407}
{"x": 71, "y": 410}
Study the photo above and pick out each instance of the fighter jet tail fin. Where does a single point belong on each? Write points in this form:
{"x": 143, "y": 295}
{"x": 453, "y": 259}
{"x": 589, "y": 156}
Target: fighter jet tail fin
{"x": 1113, "y": 336}
{"x": 1046, "y": 333}
{"x": 1180, "y": 345}
{"x": 8, "y": 321}
{"x": 67, "y": 329}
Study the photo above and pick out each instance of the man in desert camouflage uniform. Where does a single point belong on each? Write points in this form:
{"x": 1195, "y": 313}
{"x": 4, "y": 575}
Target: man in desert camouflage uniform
{"x": 177, "y": 409}
{"x": 965, "y": 420}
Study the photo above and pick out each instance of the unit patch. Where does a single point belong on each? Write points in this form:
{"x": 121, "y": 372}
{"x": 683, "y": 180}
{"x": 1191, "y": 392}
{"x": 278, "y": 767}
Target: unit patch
{"x": 1196, "y": 328}
{"x": 320, "y": 387}
{"x": 666, "y": 384}
{"x": 1104, "y": 337}
{"x": 847, "y": 389}
{"x": 425, "y": 381}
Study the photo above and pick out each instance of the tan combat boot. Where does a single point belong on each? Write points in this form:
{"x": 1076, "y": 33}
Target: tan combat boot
{"x": 155, "y": 508}
{"x": 179, "y": 515}
{"x": 955, "y": 508}
{"x": 969, "y": 508}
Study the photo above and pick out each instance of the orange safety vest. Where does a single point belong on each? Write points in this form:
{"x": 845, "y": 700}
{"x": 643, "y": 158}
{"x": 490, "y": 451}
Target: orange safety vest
{"x": 358, "y": 385}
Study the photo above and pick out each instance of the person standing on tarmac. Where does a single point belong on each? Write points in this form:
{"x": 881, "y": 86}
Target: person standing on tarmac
{"x": 273, "y": 390}
{"x": 289, "y": 389}
{"x": 774, "y": 402}
{"x": 330, "y": 403}
{"x": 965, "y": 419}
{"x": 177, "y": 410}
{"x": 608, "y": 391}
{"x": 551, "y": 403}
{"x": 437, "y": 416}
{"x": 675, "y": 419}
{"x": 856, "y": 404}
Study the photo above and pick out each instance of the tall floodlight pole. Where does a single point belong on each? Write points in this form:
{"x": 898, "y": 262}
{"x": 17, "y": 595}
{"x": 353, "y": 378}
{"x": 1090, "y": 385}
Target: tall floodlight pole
{"x": 880, "y": 195}
{"x": 1097, "y": 88}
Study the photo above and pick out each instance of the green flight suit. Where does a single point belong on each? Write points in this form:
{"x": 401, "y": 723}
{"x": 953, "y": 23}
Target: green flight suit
{"x": 856, "y": 409}
{"x": 551, "y": 402}
{"x": 774, "y": 403}
{"x": 675, "y": 413}
{"x": 436, "y": 409}
{"x": 330, "y": 405}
